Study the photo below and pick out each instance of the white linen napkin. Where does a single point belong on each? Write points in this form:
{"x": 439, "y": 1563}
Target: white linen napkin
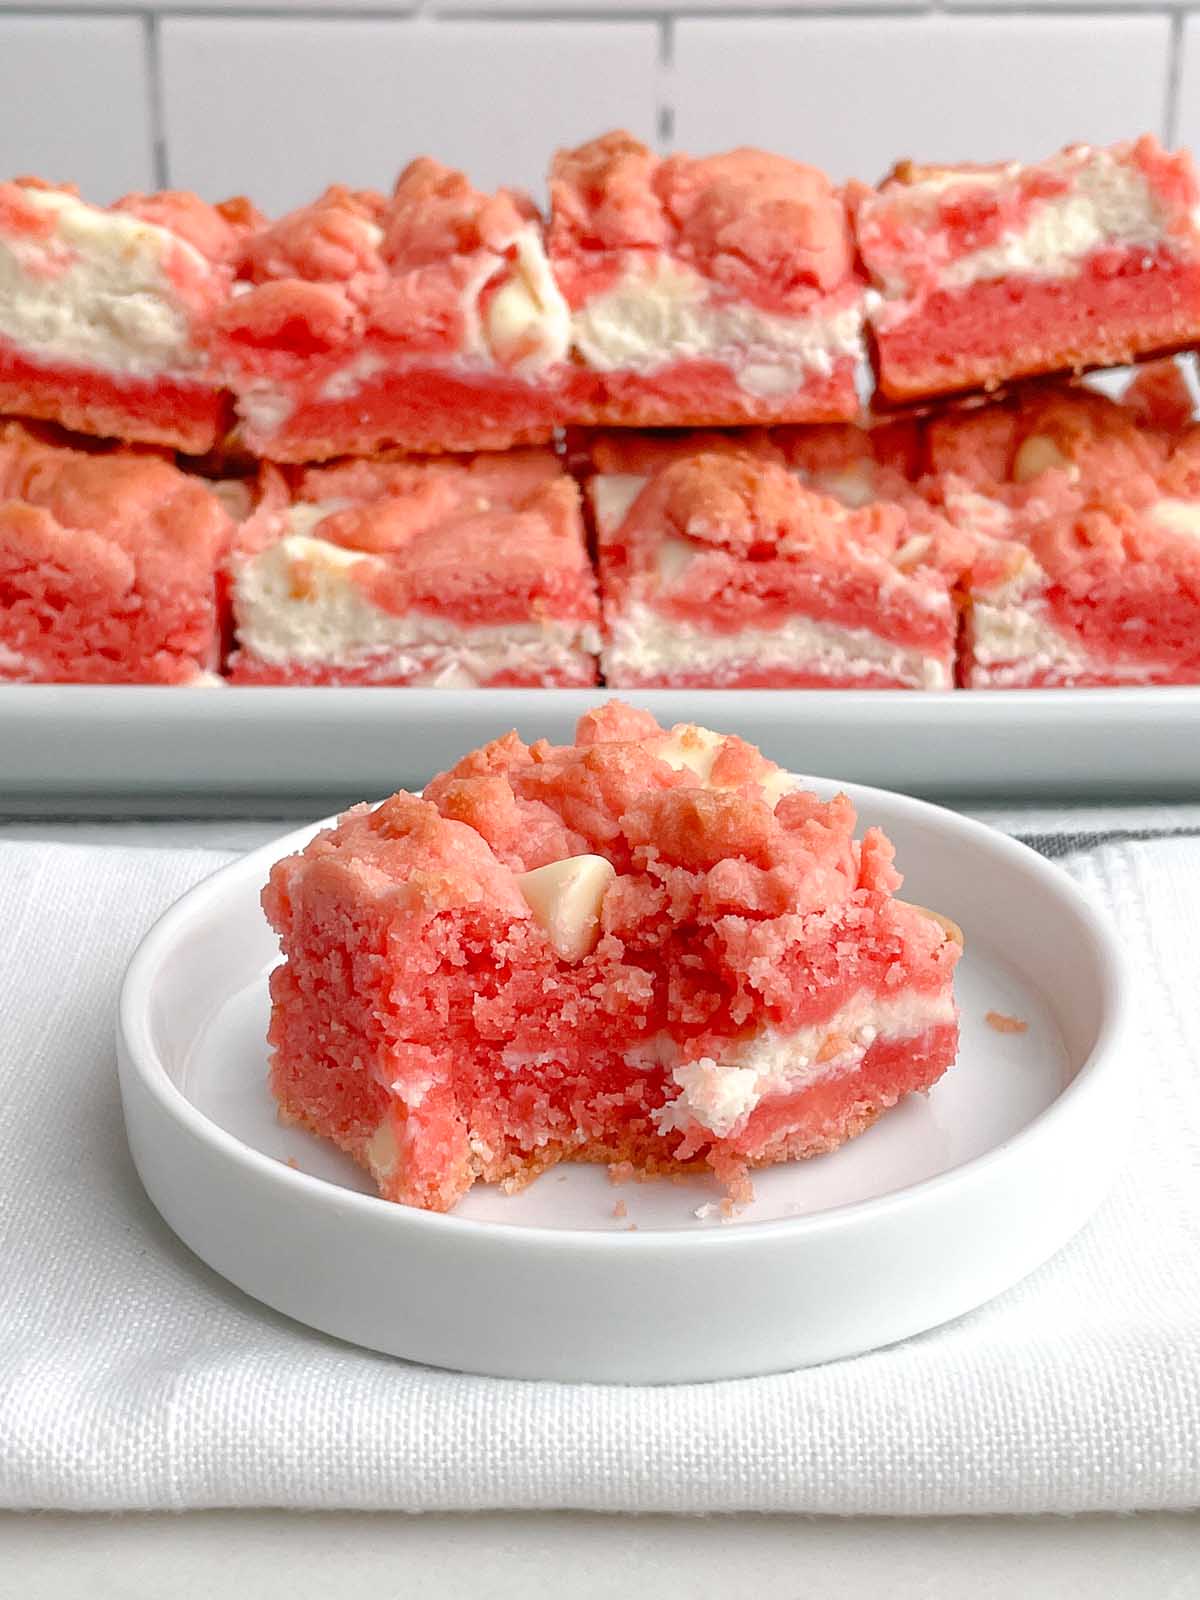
{"x": 132, "y": 1377}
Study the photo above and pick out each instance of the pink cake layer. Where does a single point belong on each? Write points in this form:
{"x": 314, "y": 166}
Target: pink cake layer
{"x": 985, "y": 279}
{"x": 686, "y": 393}
{"x": 184, "y": 408}
{"x": 364, "y": 325}
{"x": 425, "y": 1020}
{"x": 720, "y": 568}
{"x": 108, "y": 566}
{"x": 445, "y": 548}
{"x": 761, "y": 247}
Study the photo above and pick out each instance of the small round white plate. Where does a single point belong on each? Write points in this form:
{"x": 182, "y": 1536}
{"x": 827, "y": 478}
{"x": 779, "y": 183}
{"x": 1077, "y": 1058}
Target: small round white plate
{"x": 949, "y": 1199}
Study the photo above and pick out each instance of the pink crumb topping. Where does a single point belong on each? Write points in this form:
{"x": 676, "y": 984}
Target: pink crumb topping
{"x": 217, "y": 232}
{"x": 356, "y": 262}
{"x": 1158, "y": 396}
{"x": 759, "y": 227}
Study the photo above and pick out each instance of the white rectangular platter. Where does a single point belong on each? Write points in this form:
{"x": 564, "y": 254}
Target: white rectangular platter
{"x": 149, "y": 748}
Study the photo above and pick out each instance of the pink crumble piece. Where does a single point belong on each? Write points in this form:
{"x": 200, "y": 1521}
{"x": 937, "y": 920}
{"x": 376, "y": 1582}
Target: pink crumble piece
{"x": 645, "y": 949}
{"x": 109, "y": 562}
{"x": 720, "y": 567}
{"x": 424, "y": 320}
{"x": 705, "y": 291}
{"x": 449, "y": 572}
{"x": 106, "y": 330}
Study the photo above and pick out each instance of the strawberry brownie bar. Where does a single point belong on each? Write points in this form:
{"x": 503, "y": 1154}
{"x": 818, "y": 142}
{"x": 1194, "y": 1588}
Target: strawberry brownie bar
{"x": 714, "y": 291}
{"x": 1090, "y": 258}
{"x": 1091, "y": 591}
{"x": 109, "y": 563}
{"x": 1085, "y": 555}
{"x": 720, "y": 568}
{"x": 103, "y": 311}
{"x": 425, "y": 321}
{"x": 645, "y": 948}
{"x": 453, "y": 572}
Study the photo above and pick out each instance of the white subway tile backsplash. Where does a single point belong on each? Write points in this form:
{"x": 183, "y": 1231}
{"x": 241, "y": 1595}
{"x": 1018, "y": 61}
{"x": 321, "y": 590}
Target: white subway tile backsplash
{"x": 853, "y": 95}
{"x": 75, "y": 102}
{"x": 255, "y": 96}
{"x": 279, "y": 108}
{"x": 1187, "y": 130}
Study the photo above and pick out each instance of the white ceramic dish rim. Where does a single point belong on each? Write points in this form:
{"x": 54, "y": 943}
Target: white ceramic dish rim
{"x": 1103, "y": 1060}
{"x": 136, "y": 749}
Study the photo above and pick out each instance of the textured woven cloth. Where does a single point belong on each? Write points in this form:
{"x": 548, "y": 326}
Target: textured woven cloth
{"x": 132, "y": 1377}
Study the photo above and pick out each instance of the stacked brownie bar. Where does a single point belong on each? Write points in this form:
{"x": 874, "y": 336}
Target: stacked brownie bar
{"x": 711, "y": 422}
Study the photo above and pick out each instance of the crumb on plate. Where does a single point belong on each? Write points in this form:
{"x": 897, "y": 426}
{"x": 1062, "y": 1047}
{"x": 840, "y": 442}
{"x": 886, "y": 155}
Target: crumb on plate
{"x": 1005, "y": 1024}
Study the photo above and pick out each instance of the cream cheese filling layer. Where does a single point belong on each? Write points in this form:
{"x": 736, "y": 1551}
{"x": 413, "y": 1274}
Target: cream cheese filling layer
{"x": 296, "y": 604}
{"x": 661, "y": 311}
{"x": 644, "y": 644}
{"x": 97, "y": 292}
{"x": 720, "y": 1095}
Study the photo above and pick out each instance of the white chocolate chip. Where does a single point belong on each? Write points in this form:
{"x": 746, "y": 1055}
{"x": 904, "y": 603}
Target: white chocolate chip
{"x": 1038, "y": 454}
{"x": 512, "y": 313}
{"x": 1178, "y": 516}
{"x": 527, "y": 322}
{"x": 950, "y": 928}
{"x": 235, "y": 496}
{"x": 565, "y": 898}
{"x": 613, "y": 494}
{"x": 381, "y": 1152}
{"x": 913, "y": 551}
{"x": 853, "y": 485}
{"x": 693, "y": 749}
{"x": 674, "y": 557}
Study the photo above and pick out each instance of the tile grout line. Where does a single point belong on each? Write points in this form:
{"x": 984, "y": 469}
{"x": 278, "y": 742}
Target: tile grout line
{"x": 666, "y": 80}
{"x": 157, "y": 112}
{"x": 1175, "y": 50}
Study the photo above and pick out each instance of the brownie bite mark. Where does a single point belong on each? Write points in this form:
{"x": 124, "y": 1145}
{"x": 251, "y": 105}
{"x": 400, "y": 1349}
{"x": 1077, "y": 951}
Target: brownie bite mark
{"x": 447, "y": 572}
{"x": 645, "y": 948}
{"x": 109, "y": 566}
{"x": 722, "y": 569}
{"x": 705, "y": 292}
{"x": 425, "y": 320}
{"x": 104, "y": 311}
{"x": 1090, "y": 258}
